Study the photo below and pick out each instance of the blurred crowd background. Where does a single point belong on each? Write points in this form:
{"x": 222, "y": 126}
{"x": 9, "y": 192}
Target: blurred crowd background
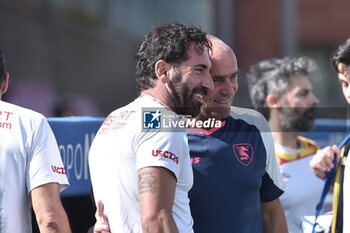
{"x": 76, "y": 57}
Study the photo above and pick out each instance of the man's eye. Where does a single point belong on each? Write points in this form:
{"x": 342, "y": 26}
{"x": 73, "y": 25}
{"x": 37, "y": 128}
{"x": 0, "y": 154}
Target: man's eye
{"x": 304, "y": 93}
{"x": 215, "y": 80}
{"x": 234, "y": 77}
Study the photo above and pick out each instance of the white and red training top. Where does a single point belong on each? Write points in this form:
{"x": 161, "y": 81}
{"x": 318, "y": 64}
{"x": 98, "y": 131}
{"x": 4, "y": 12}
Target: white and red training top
{"x": 29, "y": 157}
{"x": 121, "y": 147}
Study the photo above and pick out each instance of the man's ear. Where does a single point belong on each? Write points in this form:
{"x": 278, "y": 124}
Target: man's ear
{"x": 5, "y": 83}
{"x": 162, "y": 69}
{"x": 272, "y": 101}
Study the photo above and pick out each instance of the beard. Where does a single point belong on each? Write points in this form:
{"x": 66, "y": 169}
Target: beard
{"x": 297, "y": 119}
{"x": 183, "y": 98}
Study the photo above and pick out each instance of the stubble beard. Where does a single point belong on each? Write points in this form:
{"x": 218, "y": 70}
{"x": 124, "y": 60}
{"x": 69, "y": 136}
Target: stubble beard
{"x": 182, "y": 96}
{"x": 294, "y": 120}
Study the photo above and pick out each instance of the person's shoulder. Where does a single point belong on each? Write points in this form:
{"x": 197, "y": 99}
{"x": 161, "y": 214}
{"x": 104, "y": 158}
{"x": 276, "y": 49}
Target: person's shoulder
{"x": 133, "y": 106}
{"x": 20, "y": 111}
{"x": 244, "y": 112}
{"x": 250, "y": 116}
{"x": 141, "y": 102}
{"x": 247, "y": 114}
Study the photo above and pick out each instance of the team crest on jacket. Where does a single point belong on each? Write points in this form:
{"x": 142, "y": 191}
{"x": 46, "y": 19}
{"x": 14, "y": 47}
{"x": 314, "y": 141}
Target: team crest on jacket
{"x": 244, "y": 153}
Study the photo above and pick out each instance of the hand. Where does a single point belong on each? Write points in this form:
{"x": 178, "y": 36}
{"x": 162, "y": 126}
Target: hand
{"x": 322, "y": 162}
{"x": 101, "y": 225}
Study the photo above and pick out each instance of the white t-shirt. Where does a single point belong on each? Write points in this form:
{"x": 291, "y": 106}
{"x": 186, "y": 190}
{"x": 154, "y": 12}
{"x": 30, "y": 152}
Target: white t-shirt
{"x": 121, "y": 148}
{"x": 346, "y": 197}
{"x": 303, "y": 188}
{"x": 29, "y": 157}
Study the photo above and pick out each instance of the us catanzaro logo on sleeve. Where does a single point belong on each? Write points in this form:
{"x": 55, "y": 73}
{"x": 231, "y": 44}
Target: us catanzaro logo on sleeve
{"x": 166, "y": 154}
{"x": 59, "y": 170}
{"x": 5, "y": 119}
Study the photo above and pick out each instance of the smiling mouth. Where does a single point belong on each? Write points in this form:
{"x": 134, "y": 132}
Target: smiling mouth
{"x": 199, "y": 96}
{"x": 222, "y": 101}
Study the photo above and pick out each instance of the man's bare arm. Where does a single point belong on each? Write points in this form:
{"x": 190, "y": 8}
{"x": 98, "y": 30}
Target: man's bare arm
{"x": 156, "y": 193}
{"x": 48, "y": 209}
{"x": 273, "y": 218}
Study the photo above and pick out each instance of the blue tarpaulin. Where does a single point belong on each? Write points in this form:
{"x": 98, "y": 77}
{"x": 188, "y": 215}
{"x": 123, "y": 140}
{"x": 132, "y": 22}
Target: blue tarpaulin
{"x": 74, "y": 136}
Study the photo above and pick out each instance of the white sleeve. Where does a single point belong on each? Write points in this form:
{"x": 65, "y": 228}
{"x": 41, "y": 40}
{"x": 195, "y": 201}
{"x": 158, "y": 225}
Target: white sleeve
{"x": 44, "y": 163}
{"x": 272, "y": 167}
{"x": 163, "y": 149}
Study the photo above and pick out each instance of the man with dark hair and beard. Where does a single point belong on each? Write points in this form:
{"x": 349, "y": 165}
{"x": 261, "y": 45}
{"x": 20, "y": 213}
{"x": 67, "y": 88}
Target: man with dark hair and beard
{"x": 281, "y": 91}
{"x": 140, "y": 173}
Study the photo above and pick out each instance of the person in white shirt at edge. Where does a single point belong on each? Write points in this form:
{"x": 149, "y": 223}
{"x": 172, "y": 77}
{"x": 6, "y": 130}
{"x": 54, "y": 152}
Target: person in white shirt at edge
{"x": 143, "y": 178}
{"x": 281, "y": 91}
{"x": 322, "y": 162}
{"x": 31, "y": 169}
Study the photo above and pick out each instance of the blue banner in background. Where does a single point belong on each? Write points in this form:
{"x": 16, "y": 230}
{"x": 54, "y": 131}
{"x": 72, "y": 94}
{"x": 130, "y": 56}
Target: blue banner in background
{"x": 74, "y": 136}
{"x": 328, "y": 132}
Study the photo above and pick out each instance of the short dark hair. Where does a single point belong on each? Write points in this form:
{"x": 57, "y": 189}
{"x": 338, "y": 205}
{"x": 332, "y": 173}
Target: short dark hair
{"x": 342, "y": 55}
{"x": 2, "y": 66}
{"x": 168, "y": 42}
{"x": 273, "y": 77}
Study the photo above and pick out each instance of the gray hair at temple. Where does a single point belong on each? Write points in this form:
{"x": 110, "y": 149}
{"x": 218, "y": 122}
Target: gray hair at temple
{"x": 273, "y": 77}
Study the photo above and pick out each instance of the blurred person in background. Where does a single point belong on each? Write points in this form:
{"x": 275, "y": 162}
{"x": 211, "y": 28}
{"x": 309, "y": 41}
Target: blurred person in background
{"x": 31, "y": 169}
{"x": 322, "y": 162}
{"x": 281, "y": 91}
{"x": 75, "y": 105}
